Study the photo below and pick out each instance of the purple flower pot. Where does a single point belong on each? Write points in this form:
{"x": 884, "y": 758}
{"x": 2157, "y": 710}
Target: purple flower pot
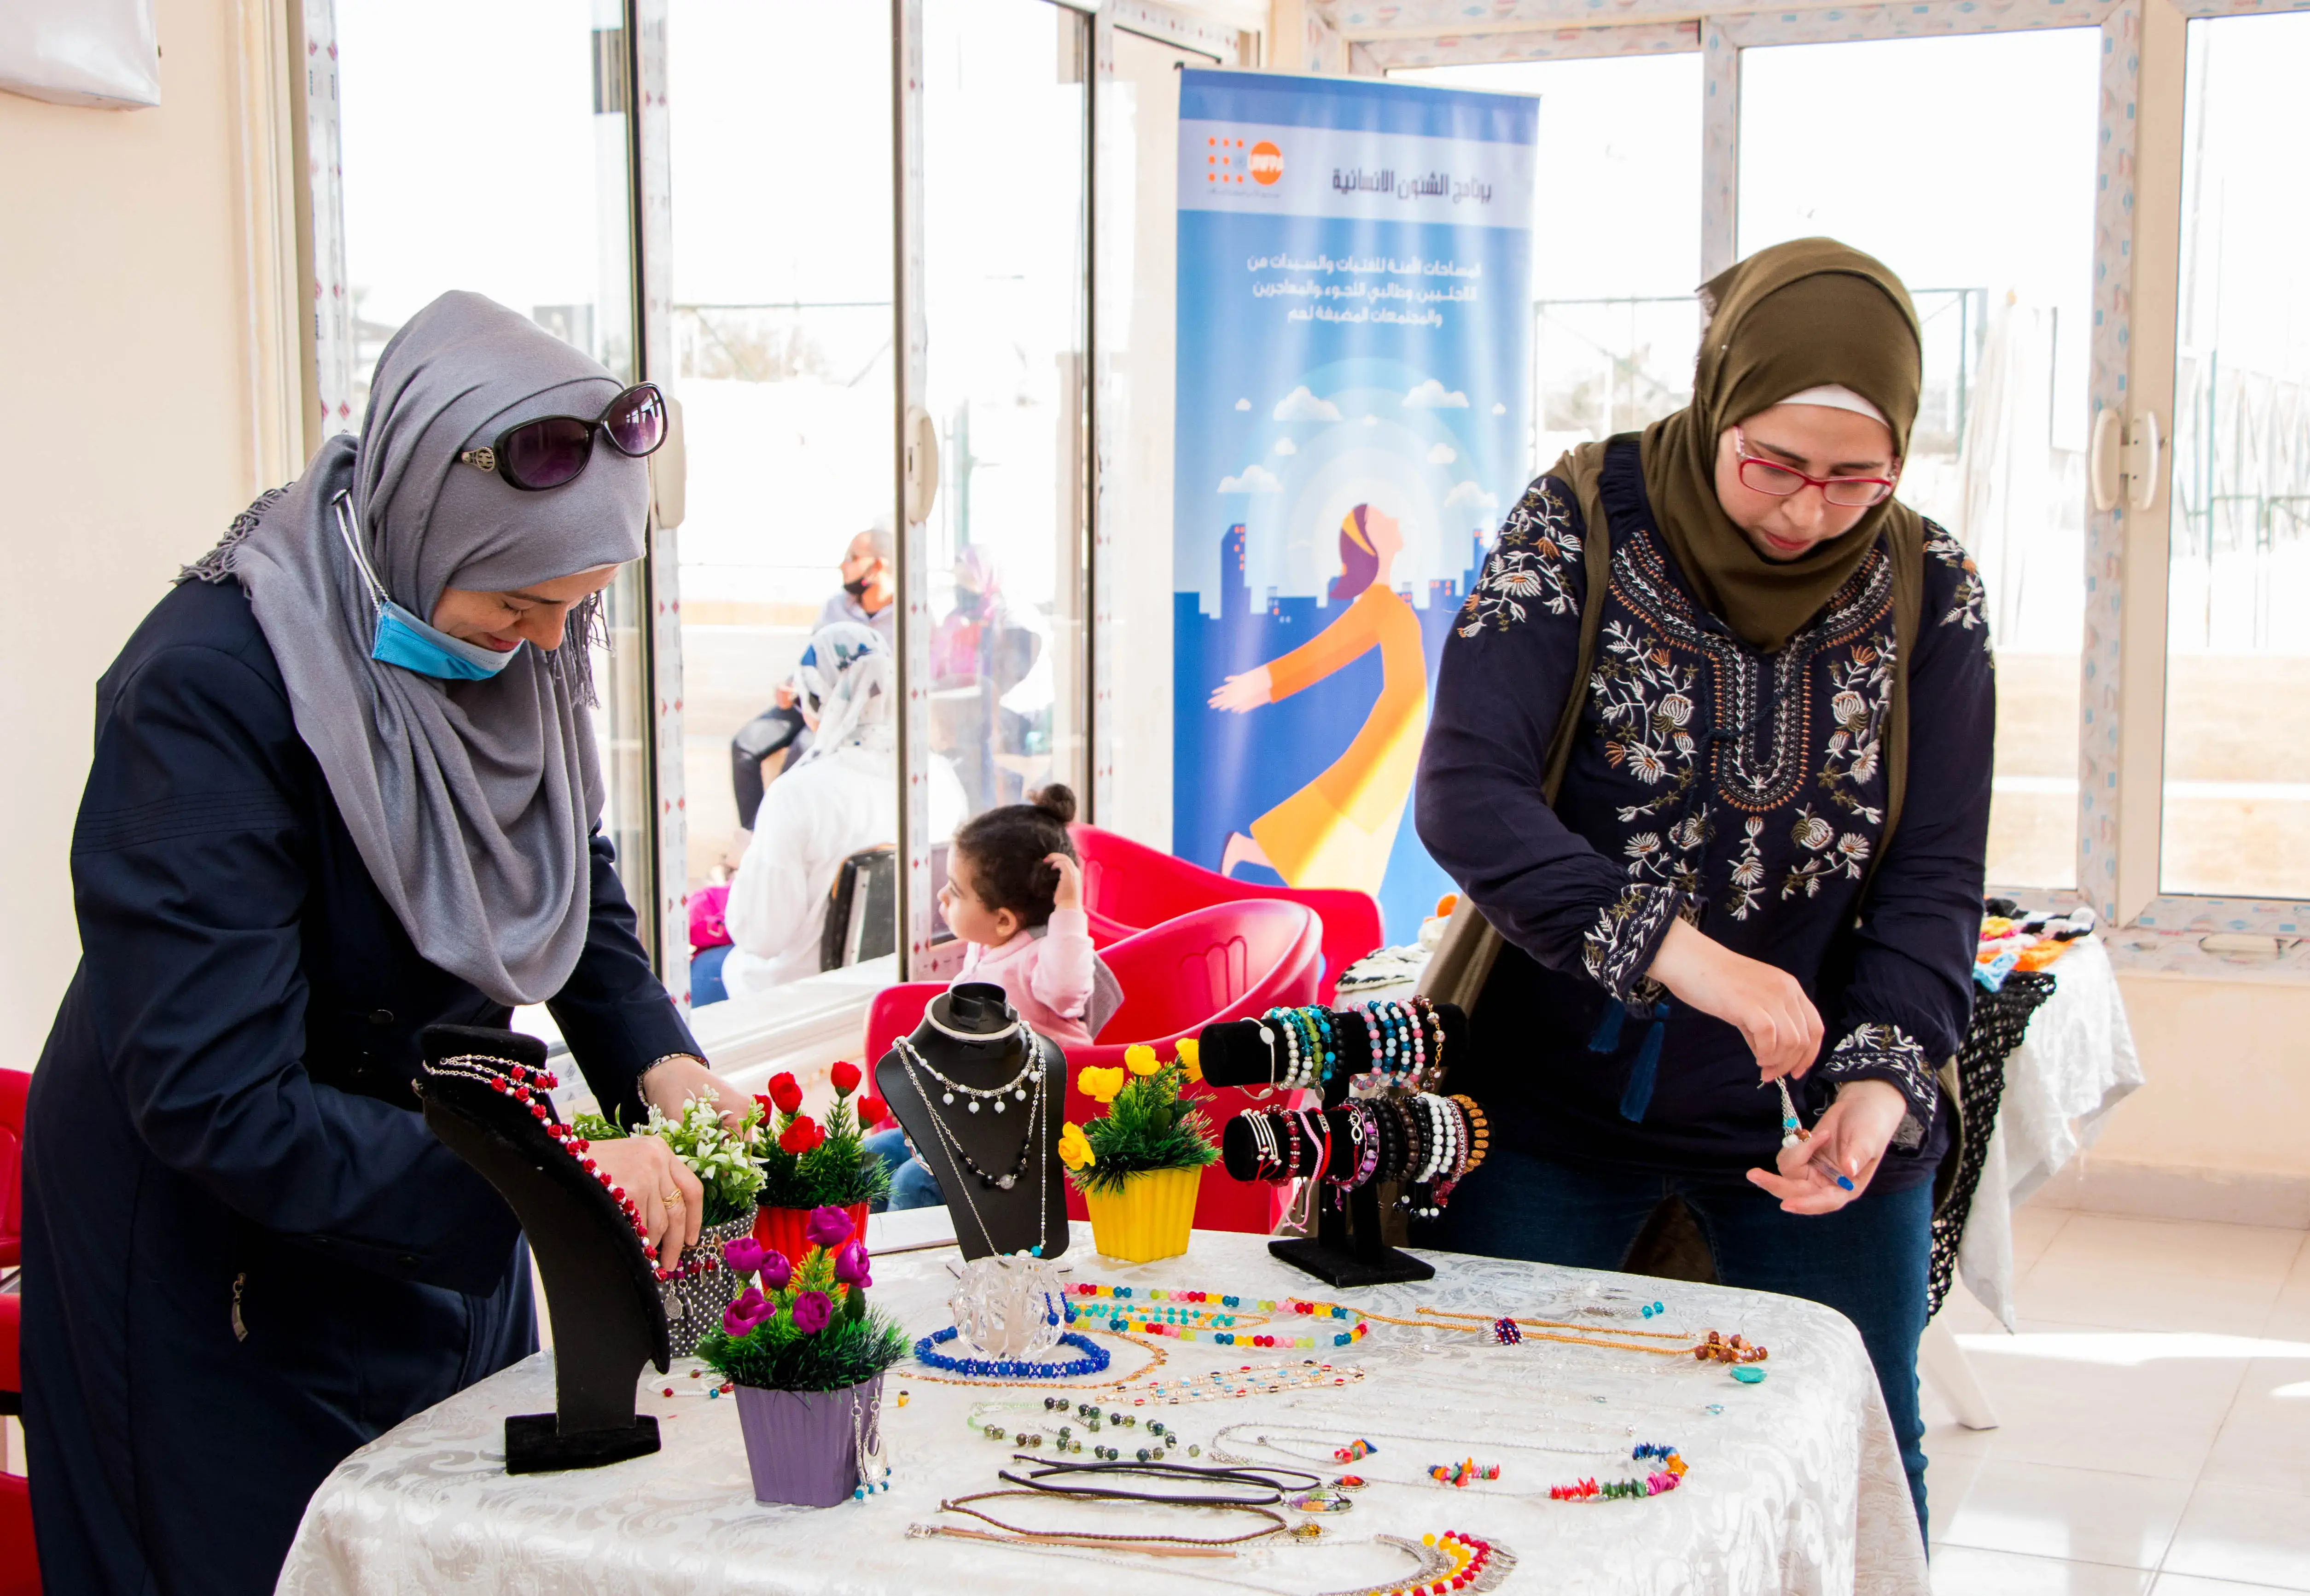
{"x": 802, "y": 1445}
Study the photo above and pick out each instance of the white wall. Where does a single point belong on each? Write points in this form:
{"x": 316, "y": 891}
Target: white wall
{"x": 125, "y": 422}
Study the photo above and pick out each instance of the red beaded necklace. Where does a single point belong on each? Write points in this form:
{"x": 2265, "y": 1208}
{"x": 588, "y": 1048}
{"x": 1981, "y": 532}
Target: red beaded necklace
{"x": 522, "y": 1083}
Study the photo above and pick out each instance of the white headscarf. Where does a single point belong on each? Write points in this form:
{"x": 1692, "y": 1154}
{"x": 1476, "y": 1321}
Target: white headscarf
{"x": 847, "y": 673}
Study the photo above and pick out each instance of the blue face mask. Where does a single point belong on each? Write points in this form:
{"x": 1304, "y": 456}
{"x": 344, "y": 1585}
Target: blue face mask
{"x": 402, "y": 639}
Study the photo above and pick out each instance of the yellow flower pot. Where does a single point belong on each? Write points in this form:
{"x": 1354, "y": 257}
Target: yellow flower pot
{"x": 1149, "y": 1218}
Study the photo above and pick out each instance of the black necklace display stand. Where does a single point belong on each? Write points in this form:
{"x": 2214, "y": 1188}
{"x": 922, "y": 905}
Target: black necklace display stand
{"x": 601, "y": 1290}
{"x": 1348, "y": 1248}
{"x": 971, "y": 1036}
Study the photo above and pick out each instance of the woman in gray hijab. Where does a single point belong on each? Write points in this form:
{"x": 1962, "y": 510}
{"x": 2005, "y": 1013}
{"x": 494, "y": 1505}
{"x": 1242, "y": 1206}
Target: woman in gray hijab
{"x": 343, "y": 788}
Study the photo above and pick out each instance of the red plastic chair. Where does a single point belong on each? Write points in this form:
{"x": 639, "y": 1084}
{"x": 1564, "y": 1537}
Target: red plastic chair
{"x": 13, "y": 1085}
{"x": 1125, "y": 883}
{"x": 1226, "y": 961}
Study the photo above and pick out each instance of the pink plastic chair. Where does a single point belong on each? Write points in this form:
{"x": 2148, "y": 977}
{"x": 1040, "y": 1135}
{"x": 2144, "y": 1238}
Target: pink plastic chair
{"x": 20, "y": 1562}
{"x": 1227, "y": 962}
{"x": 1127, "y": 883}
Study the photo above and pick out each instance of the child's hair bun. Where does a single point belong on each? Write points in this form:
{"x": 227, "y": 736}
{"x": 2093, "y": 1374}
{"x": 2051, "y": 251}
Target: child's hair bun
{"x": 1056, "y": 801}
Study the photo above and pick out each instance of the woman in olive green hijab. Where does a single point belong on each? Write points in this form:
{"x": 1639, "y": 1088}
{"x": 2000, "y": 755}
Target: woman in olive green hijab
{"x": 1710, "y": 759}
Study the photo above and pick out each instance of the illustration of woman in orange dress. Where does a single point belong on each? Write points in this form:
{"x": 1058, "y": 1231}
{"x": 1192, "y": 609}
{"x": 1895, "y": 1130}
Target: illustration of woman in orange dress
{"x": 1339, "y": 830}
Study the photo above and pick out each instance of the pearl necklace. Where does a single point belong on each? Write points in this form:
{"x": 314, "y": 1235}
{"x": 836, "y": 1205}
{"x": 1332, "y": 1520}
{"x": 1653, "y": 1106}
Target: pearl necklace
{"x": 909, "y": 1058}
{"x": 1031, "y": 1073}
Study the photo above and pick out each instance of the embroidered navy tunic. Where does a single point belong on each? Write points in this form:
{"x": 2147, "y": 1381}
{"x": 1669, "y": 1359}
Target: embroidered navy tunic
{"x": 1741, "y": 791}
{"x": 242, "y": 1245}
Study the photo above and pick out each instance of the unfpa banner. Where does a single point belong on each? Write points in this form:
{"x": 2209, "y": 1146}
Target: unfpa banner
{"x": 1354, "y": 312}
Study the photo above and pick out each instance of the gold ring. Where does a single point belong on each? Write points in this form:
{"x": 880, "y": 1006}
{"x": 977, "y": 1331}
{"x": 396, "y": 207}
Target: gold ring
{"x": 672, "y": 1200}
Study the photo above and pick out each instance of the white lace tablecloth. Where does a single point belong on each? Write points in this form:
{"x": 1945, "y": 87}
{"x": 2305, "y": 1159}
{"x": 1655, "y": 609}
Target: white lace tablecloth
{"x": 2075, "y": 1064}
{"x": 1794, "y": 1484}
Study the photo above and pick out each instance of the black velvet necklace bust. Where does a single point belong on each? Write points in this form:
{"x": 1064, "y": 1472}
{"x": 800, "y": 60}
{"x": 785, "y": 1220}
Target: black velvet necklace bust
{"x": 981, "y": 1099}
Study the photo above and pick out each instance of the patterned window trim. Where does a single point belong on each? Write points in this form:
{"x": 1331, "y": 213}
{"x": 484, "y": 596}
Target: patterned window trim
{"x": 1618, "y": 949}
{"x": 1887, "y": 1052}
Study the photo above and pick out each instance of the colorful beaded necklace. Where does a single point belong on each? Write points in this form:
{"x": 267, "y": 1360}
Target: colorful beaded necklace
{"x": 1655, "y": 1482}
{"x": 1194, "y": 1323}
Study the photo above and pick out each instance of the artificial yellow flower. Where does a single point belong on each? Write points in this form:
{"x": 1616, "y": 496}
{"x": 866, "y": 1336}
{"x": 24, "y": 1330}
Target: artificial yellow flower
{"x": 1100, "y": 1085}
{"x": 1191, "y": 1057}
{"x": 1074, "y": 1147}
{"x": 1141, "y": 1058}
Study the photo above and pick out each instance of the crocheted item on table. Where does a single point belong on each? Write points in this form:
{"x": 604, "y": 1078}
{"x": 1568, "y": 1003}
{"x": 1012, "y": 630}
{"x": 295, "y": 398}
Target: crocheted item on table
{"x": 1999, "y": 1019}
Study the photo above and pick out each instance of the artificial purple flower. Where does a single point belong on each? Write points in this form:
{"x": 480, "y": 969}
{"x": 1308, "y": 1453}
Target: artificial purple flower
{"x": 749, "y": 1309}
{"x": 827, "y": 1227}
{"x": 743, "y": 1255}
{"x": 812, "y": 1312}
{"x": 776, "y": 1270}
{"x": 852, "y": 1266}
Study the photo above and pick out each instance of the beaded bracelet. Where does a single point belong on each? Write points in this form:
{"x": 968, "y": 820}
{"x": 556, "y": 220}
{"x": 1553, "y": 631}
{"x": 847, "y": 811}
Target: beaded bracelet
{"x": 1428, "y": 1011}
{"x": 1093, "y": 1361}
{"x": 1102, "y": 1302}
{"x": 1270, "y": 1164}
{"x": 1666, "y": 1478}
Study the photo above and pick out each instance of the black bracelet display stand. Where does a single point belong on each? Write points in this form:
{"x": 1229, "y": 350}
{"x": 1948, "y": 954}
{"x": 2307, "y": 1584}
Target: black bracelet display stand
{"x": 1348, "y": 1248}
{"x": 601, "y": 1289}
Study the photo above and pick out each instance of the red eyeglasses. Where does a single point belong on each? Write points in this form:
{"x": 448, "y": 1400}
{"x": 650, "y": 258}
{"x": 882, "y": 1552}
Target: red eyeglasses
{"x": 1770, "y": 476}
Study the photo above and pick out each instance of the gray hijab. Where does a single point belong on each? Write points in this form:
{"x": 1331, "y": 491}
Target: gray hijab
{"x": 471, "y": 802}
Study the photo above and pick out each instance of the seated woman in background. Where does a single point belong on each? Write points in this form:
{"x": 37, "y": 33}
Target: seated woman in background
{"x": 840, "y": 798}
{"x": 1014, "y": 892}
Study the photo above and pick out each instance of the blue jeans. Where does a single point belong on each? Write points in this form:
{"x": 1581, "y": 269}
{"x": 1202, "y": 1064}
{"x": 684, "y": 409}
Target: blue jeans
{"x": 1867, "y": 1260}
{"x": 912, "y": 1184}
{"x": 706, "y": 977}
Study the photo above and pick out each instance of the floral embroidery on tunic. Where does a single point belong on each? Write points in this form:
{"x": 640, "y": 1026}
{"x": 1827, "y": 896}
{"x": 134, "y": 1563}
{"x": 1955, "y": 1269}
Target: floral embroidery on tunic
{"x": 1861, "y": 690}
{"x": 1887, "y": 1052}
{"x": 1527, "y": 566}
{"x": 1644, "y": 700}
{"x": 1966, "y": 604}
{"x": 1618, "y": 949}
{"x": 1824, "y": 855}
{"x": 1759, "y": 761}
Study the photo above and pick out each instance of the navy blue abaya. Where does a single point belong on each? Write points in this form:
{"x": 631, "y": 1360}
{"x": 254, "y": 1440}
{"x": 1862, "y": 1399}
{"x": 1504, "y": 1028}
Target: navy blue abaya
{"x": 245, "y": 1254}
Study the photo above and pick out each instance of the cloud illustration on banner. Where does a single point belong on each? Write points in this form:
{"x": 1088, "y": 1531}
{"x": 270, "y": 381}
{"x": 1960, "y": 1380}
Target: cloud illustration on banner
{"x": 1432, "y": 396}
{"x": 1243, "y": 405}
{"x": 1498, "y": 408}
{"x": 1284, "y": 446}
{"x": 1443, "y": 453}
{"x": 1466, "y": 493}
{"x": 1256, "y": 479}
{"x": 1300, "y": 405}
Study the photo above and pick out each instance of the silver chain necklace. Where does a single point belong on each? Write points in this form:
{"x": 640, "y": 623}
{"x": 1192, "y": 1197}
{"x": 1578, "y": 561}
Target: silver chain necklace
{"x": 962, "y": 1164}
{"x": 1030, "y": 1074}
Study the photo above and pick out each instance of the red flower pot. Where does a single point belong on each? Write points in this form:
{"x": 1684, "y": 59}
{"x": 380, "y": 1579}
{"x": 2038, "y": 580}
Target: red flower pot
{"x": 781, "y": 1229}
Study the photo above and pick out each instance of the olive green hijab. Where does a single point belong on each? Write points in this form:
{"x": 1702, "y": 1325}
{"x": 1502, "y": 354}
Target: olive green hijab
{"x": 1802, "y": 315}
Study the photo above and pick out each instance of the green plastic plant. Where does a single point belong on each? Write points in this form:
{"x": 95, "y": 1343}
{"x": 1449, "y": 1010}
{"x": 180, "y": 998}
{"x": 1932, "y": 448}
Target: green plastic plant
{"x": 718, "y": 1157}
{"x": 1147, "y": 1125}
{"x": 803, "y": 1326}
{"x": 806, "y": 1164}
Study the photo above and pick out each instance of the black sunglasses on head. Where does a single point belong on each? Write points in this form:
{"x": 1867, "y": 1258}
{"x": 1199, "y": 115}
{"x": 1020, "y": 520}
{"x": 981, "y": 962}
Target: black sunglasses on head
{"x": 552, "y": 450}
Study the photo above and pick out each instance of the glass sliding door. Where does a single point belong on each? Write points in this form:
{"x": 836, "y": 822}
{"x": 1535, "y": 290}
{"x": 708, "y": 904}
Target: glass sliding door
{"x": 1005, "y": 184}
{"x": 488, "y": 148}
{"x": 2235, "y": 816}
{"x": 1614, "y": 322}
{"x": 779, "y": 132}
{"x": 1990, "y": 222}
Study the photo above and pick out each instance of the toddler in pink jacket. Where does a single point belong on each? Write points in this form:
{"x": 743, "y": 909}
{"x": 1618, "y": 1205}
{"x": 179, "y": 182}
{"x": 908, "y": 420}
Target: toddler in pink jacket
{"x": 1014, "y": 892}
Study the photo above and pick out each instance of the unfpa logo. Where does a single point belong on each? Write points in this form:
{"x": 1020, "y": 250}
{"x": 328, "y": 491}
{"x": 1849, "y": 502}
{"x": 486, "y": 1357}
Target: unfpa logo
{"x": 1226, "y": 162}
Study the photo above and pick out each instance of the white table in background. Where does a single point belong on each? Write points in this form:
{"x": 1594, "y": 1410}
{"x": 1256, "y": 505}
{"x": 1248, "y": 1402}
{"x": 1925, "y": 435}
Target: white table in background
{"x": 1795, "y": 1483}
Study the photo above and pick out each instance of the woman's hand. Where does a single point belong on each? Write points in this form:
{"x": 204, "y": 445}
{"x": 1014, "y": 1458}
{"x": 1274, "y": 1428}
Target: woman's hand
{"x": 673, "y": 1203}
{"x": 1762, "y": 1002}
{"x": 1249, "y": 691}
{"x": 1849, "y": 1141}
{"x": 670, "y": 1084}
{"x": 1069, "y": 895}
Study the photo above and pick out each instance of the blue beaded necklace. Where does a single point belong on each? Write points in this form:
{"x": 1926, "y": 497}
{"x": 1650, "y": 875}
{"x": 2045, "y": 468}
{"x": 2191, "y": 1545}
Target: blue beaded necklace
{"x": 1093, "y": 1361}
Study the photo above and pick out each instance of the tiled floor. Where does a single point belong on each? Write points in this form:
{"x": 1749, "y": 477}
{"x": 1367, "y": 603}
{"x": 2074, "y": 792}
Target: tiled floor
{"x": 2156, "y": 1416}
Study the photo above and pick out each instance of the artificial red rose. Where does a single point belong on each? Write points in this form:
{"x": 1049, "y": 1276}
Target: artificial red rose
{"x": 872, "y": 1112}
{"x": 846, "y": 1078}
{"x": 800, "y": 1136}
{"x": 785, "y": 1092}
